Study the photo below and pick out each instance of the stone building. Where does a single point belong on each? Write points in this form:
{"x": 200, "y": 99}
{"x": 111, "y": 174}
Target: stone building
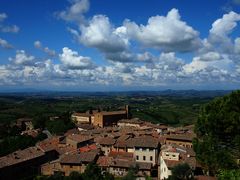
{"x": 76, "y": 140}
{"x": 181, "y": 140}
{"x": 68, "y": 163}
{"x": 105, "y": 118}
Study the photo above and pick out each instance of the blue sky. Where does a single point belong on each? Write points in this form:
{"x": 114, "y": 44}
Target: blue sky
{"x": 91, "y": 45}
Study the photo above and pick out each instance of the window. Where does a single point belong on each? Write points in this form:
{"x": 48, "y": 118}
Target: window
{"x": 151, "y": 158}
{"x": 144, "y": 158}
{"x": 137, "y": 157}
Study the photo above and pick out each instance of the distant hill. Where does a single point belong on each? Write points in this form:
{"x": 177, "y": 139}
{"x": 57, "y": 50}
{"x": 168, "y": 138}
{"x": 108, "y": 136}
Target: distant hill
{"x": 173, "y": 93}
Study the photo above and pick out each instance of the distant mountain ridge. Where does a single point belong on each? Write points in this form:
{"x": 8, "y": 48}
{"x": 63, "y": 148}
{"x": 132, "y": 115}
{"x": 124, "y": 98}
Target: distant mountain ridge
{"x": 174, "y": 93}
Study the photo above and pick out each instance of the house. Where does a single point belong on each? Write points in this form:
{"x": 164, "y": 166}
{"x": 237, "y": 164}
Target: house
{"x": 51, "y": 168}
{"x": 68, "y": 163}
{"x": 23, "y": 163}
{"x": 77, "y": 140}
{"x": 184, "y": 140}
{"x": 25, "y": 123}
{"x": 88, "y": 148}
{"x": 109, "y": 118}
{"x": 34, "y": 132}
{"x": 77, "y": 162}
{"x": 100, "y": 118}
{"x": 145, "y": 149}
{"x": 119, "y": 163}
{"x": 106, "y": 144}
{"x": 79, "y": 118}
{"x": 135, "y": 122}
{"x": 172, "y": 155}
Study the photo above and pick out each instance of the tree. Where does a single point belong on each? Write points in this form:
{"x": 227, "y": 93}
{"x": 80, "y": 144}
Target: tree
{"x": 39, "y": 121}
{"x": 217, "y": 129}
{"x": 181, "y": 172}
{"x": 74, "y": 176}
{"x": 108, "y": 176}
{"x": 131, "y": 174}
{"x": 229, "y": 174}
{"x": 92, "y": 172}
{"x": 56, "y": 176}
{"x": 59, "y": 126}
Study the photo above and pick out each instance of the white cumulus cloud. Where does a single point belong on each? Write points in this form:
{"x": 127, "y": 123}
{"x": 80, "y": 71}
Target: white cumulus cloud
{"x": 221, "y": 29}
{"x": 168, "y": 33}
{"x": 101, "y": 34}
{"x": 72, "y": 60}
{"x": 22, "y": 58}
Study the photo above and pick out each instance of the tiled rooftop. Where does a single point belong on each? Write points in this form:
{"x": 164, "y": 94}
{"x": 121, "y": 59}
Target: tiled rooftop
{"x": 106, "y": 141}
{"x": 107, "y": 113}
{"x": 88, "y": 148}
{"x": 183, "y": 137}
{"x": 79, "y": 138}
{"x": 121, "y": 155}
{"x": 20, "y": 156}
{"x": 84, "y": 157}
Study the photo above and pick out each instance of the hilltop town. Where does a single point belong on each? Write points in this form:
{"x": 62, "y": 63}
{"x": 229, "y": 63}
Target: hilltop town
{"x": 113, "y": 140}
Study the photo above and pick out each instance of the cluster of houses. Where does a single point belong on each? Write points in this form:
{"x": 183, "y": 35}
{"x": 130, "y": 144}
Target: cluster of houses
{"x": 112, "y": 141}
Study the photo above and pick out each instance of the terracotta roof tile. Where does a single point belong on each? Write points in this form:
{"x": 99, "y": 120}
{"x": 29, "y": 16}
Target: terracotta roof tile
{"x": 88, "y": 148}
{"x": 79, "y": 138}
{"x": 20, "y": 156}
{"x": 104, "y": 161}
{"x": 147, "y": 142}
{"x": 85, "y": 157}
{"x": 120, "y": 155}
{"x": 106, "y": 141}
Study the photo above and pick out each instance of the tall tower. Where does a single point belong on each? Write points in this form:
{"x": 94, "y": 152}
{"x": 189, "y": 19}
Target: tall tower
{"x": 128, "y": 111}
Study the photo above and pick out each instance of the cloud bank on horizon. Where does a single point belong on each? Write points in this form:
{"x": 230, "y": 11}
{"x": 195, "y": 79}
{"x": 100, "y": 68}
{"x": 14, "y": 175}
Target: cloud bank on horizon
{"x": 135, "y": 55}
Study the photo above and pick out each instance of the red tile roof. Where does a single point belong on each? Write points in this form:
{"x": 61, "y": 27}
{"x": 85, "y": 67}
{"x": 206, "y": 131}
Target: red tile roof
{"x": 88, "y": 148}
{"x": 49, "y": 143}
{"x": 120, "y": 155}
{"x": 104, "y": 161}
{"x": 106, "y": 141}
{"x": 79, "y": 138}
{"x": 84, "y": 157}
{"x": 107, "y": 113}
